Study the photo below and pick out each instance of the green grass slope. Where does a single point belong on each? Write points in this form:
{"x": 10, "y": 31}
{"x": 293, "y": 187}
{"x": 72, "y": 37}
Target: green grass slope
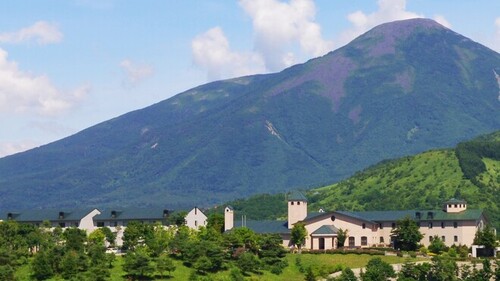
{"x": 422, "y": 181}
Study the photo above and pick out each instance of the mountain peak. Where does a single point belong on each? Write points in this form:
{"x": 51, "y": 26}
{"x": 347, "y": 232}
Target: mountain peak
{"x": 382, "y": 39}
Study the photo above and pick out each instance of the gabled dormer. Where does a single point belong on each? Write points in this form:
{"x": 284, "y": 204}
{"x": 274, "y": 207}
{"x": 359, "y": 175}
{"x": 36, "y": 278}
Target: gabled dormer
{"x": 455, "y": 206}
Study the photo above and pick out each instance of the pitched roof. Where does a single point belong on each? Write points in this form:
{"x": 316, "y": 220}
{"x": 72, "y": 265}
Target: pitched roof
{"x": 133, "y": 214}
{"x": 41, "y": 215}
{"x": 437, "y": 215}
{"x": 267, "y": 226}
{"x": 455, "y": 201}
{"x": 326, "y": 230}
{"x": 297, "y": 196}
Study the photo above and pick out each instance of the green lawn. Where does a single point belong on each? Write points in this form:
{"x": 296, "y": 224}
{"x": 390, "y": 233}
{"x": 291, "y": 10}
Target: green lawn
{"x": 325, "y": 263}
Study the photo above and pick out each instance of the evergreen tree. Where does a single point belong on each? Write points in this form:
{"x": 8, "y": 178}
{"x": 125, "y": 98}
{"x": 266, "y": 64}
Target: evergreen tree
{"x": 377, "y": 270}
{"x": 347, "y": 275}
{"x": 165, "y": 263}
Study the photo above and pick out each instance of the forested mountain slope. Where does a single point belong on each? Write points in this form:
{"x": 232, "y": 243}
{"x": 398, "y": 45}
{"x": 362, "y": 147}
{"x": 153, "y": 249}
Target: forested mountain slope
{"x": 401, "y": 88}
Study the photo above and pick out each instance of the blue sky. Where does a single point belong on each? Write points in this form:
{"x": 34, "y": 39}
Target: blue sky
{"x": 67, "y": 65}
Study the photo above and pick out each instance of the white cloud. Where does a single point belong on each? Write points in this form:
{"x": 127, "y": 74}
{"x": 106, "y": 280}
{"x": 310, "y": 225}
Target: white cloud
{"x": 22, "y": 92}
{"x": 136, "y": 72}
{"x": 42, "y": 32}
{"x": 388, "y": 10}
{"x": 496, "y": 39}
{"x": 8, "y": 148}
{"x": 279, "y": 26}
{"x": 212, "y": 52}
{"x": 442, "y": 20}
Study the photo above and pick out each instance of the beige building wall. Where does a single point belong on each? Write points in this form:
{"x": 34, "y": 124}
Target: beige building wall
{"x": 297, "y": 211}
{"x": 354, "y": 227}
{"x": 87, "y": 222}
{"x": 196, "y": 219}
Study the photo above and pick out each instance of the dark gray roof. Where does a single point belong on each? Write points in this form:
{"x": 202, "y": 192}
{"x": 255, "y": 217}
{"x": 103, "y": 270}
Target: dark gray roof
{"x": 267, "y": 226}
{"x": 45, "y": 214}
{"x": 425, "y": 215}
{"x": 133, "y": 214}
{"x": 455, "y": 201}
{"x": 297, "y": 196}
{"x": 326, "y": 230}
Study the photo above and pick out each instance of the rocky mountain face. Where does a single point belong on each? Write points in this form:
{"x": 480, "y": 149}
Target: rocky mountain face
{"x": 399, "y": 89}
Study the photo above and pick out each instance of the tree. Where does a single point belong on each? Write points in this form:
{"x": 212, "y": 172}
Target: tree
{"x": 347, "y": 275}
{"x": 486, "y": 237}
{"x": 203, "y": 265}
{"x": 178, "y": 218}
{"x": 298, "y": 235}
{"x": 341, "y": 237}
{"x": 271, "y": 249}
{"x": 377, "y": 270}
{"x": 407, "y": 234}
{"x": 165, "y": 263}
{"x": 41, "y": 267}
{"x": 74, "y": 238}
{"x": 411, "y": 271}
{"x": 70, "y": 265}
{"x": 443, "y": 269}
{"x": 216, "y": 221}
{"x": 248, "y": 262}
{"x": 437, "y": 245}
{"x": 137, "y": 263}
{"x": 310, "y": 275}
{"x": 110, "y": 235}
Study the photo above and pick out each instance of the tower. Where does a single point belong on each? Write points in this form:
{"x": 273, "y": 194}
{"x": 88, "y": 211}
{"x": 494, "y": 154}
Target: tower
{"x": 228, "y": 218}
{"x": 297, "y": 208}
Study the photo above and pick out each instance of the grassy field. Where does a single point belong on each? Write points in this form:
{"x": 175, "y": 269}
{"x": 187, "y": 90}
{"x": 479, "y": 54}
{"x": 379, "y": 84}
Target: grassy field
{"x": 320, "y": 263}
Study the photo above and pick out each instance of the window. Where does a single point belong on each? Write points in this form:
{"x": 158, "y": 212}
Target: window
{"x": 292, "y": 202}
{"x": 443, "y": 238}
{"x": 363, "y": 225}
{"x": 430, "y": 238}
{"x": 195, "y": 223}
{"x": 332, "y": 218}
{"x": 364, "y": 241}
{"x": 393, "y": 225}
{"x": 382, "y": 240}
{"x": 430, "y": 224}
{"x": 455, "y": 224}
{"x": 417, "y": 215}
{"x": 351, "y": 242}
{"x": 442, "y": 224}
{"x": 381, "y": 226}
{"x": 100, "y": 224}
{"x": 455, "y": 238}
{"x": 298, "y": 202}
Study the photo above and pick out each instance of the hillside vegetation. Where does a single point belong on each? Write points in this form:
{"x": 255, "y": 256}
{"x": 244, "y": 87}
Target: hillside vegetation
{"x": 399, "y": 89}
{"x": 422, "y": 181}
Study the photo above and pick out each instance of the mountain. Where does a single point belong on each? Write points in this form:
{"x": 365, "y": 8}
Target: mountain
{"x": 399, "y": 89}
{"x": 422, "y": 181}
